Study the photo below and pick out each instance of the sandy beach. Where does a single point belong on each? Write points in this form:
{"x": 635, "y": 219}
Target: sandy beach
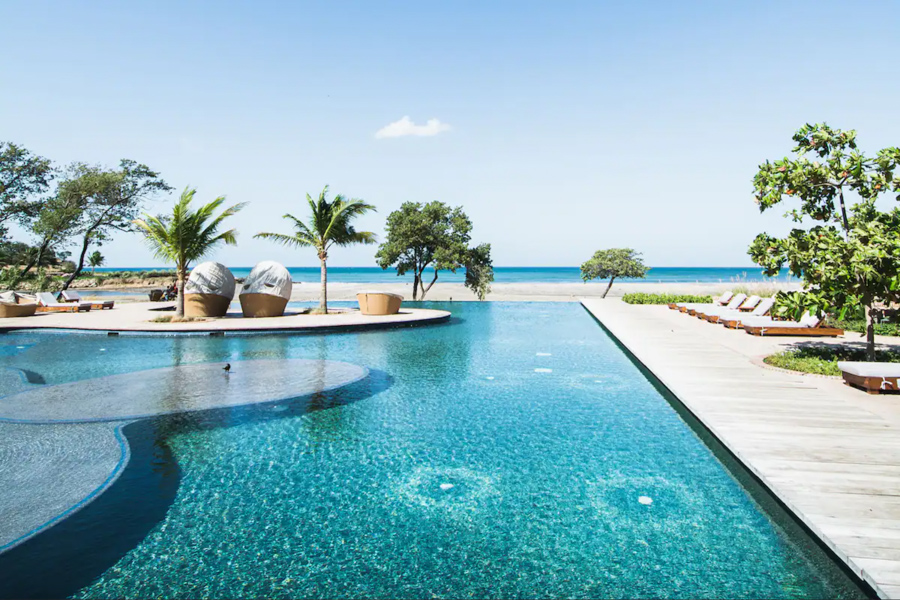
{"x": 501, "y": 292}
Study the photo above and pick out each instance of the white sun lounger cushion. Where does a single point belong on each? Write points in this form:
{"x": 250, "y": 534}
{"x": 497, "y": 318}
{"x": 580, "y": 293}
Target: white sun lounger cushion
{"x": 870, "y": 369}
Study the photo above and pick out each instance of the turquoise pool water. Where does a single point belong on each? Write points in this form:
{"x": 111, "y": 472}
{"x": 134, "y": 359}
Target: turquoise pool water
{"x": 513, "y": 452}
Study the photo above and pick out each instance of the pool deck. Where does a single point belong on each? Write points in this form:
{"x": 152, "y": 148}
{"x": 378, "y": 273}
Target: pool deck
{"x": 137, "y": 317}
{"x": 830, "y": 453}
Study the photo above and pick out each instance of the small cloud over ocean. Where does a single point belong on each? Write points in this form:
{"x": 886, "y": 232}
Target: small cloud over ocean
{"x": 405, "y": 127}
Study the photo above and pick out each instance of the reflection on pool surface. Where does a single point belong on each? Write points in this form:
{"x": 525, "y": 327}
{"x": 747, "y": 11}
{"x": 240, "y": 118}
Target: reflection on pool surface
{"x": 513, "y": 452}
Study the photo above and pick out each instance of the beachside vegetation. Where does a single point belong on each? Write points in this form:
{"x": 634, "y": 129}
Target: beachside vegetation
{"x": 96, "y": 260}
{"x": 823, "y": 359}
{"x": 55, "y": 221}
{"x": 642, "y": 298}
{"x": 108, "y": 200}
{"x": 187, "y": 235}
{"x": 24, "y": 177}
{"x": 846, "y": 250}
{"x": 434, "y": 236}
{"x": 330, "y": 224}
{"x": 612, "y": 264}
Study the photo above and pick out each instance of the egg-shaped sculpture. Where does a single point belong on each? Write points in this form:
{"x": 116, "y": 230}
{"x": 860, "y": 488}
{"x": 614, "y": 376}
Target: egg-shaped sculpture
{"x": 208, "y": 290}
{"x": 266, "y": 290}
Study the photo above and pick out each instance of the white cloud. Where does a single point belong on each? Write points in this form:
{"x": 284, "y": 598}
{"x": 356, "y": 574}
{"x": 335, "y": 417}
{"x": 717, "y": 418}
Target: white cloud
{"x": 405, "y": 127}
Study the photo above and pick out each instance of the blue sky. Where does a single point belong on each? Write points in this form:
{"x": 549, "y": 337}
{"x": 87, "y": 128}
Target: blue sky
{"x": 573, "y": 126}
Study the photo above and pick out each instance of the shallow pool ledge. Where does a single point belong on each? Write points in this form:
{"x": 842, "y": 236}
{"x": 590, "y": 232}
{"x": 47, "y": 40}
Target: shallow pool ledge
{"x": 833, "y": 464}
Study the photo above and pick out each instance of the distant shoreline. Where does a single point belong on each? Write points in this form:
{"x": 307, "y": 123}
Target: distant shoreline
{"x": 501, "y": 292}
{"x": 514, "y": 275}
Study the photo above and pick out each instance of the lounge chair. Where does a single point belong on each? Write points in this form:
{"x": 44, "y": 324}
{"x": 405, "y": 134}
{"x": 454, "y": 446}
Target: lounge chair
{"x": 720, "y": 301}
{"x": 700, "y": 309}
{"x": 714, "y": 314}
{"x": 808, "y": 325}
{"x": 735, "y": 320}
{"x": 872, "y": 377}
{"x": 73, "y": 296}
{"x": 47, "y": 303}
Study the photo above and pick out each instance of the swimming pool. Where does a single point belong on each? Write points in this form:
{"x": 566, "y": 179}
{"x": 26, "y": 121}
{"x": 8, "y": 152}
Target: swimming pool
{"x": 515, "y": 451}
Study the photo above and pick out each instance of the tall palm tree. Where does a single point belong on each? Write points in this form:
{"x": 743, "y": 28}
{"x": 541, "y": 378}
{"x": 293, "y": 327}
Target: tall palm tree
{"x": 329, "y": 225}
{"x": 187, "y": 235}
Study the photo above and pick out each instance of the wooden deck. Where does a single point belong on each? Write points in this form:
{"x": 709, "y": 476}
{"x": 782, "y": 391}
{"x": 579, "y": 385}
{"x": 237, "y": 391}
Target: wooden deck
{"x": 830, "y": 453}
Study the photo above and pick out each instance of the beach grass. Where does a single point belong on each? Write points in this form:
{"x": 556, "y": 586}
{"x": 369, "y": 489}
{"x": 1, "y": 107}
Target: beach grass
{"x": 643, "y": 298}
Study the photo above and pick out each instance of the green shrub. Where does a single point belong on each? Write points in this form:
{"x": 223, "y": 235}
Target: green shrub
{"x": 859, "y": 326}
{"x": 823, "y": 360}
{"x": 641, "y": 298}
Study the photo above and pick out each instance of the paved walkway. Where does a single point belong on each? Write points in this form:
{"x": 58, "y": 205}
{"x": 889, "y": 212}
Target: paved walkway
{"x": 138, "y": 317}
{"x": 830, "y": 453}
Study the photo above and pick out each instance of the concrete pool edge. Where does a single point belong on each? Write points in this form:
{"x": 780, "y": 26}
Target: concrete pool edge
{"x": 859, "y": 575}
{"x": 136, "y": 318}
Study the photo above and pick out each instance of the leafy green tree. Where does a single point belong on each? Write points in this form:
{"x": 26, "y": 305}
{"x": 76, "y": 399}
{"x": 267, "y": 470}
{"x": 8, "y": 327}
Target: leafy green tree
{"x": 612, "y": 264}
{"x": 848, "y": 255}
{"x": 23, "y": 176}
{"x": 330, "y": 225}
{"x": 96, "y": 260}
{"x": 53, "y": 226}
{"x": 187, "y": 235}
{"x": 110, "y": 200}
{"x": 479, "y": 270}
{"x": 434, "y": 236}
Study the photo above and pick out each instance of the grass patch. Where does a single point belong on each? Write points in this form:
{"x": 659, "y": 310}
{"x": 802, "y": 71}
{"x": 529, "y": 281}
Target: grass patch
{"x": 822, "y": 360}
{"x": 174, "y": 319}
{"x": 641, "y": 298}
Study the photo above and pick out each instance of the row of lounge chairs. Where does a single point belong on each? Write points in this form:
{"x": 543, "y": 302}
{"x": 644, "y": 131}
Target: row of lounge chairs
{"x": 11, "y": 304}
{"x": 737, "y": 311}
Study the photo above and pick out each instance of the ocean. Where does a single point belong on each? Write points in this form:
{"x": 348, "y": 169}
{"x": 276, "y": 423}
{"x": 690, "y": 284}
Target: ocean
{"x": 514, "y": 274}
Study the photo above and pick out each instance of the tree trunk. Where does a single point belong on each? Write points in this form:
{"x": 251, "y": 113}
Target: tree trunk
{"x": 870, "y": 333}
{"x": 179, "y": 302}
{"x": 428, "y": 289}
{"x": 323, "y": 296}
{"x": 36, "y": 260}
{"x": 80, "y": 267}
{"x": 606, "y": 291}
{"x": 415, "y": 286}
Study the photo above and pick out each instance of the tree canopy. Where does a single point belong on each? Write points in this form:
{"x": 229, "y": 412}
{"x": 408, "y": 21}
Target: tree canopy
{"x": 109, "y": 199}
{"x": 612, "y": 264}
{"x": 330, "y": 224}
{"x": 845, "y": 249}
{"x": 23, "y": 177}
{"x": 434, "y": 236}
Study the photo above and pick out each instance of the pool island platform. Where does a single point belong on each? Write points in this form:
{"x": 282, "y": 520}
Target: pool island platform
{"x": 137, "y": 317}
{"x": 829, "y": 453}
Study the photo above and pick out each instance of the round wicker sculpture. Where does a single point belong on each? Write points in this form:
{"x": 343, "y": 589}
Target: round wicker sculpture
{"x": 266, "y": 290}
{"x": 379, "y": 303}
{"x": 208, "y": 291}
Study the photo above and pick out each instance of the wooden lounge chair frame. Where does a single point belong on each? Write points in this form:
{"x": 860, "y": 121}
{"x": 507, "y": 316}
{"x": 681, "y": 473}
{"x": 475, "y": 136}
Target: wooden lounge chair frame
{"x": 872, "y": 385}
{"x": 95, "y": 305}
{"x": 761, "y": 330}
{"x": 47, "y": 309}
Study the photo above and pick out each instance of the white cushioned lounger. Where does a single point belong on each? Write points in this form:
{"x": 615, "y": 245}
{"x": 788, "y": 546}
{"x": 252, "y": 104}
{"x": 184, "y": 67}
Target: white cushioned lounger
{"x": 874, "y": 377}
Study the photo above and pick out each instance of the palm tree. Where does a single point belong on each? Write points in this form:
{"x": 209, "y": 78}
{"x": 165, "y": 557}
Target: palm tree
{"x": 187, "y": 235}
{"x": 95, "y": 260}
{"x": 329, "y": 226}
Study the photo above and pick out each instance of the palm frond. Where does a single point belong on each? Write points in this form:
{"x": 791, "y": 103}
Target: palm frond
{"x": 286, "y": 240}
